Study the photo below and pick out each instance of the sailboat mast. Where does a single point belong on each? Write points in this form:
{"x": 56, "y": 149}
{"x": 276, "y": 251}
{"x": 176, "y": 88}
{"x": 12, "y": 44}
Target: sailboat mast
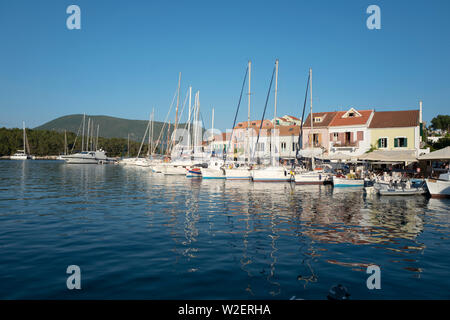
{"x": 92, "y": 135}
{"x": 189, "y": 119}
{"x": 87, "y": 134}
{"x": 24, "y": 142}
{"x": 311, "y": 112}
{"x": 96, "y": 141}
{"x": 65, "y": 142}
{"x": 82, "y": 135}
{"x": 198, "y": 135}
{"x": 248, "y": 116}
{"x": 128, "y": 146}
{"x": 176, "y": 112}
{"x": 212, "y": 129}
{"x": 274, "y": 113}
{"x": 168, "y": 139}
{"x": 151, "y": 140}
{"x": 149, "y": 135}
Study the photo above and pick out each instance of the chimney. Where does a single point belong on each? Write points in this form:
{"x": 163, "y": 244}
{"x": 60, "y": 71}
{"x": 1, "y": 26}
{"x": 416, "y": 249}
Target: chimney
{"x": 420, "y": 111}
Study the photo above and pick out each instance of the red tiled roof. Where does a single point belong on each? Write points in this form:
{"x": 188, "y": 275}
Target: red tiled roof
{"x": 327, "y": 118}
{"x": 395, "y": 119}
{"x": 267, "y": 124}
{"x": 338, "y": 120}
{"x": 288, "y": 130}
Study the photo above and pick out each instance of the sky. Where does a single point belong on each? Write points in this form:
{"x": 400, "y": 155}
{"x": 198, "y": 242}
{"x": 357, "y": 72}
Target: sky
{"x": 126, "y": 57}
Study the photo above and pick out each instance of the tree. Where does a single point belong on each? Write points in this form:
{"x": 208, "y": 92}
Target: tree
{"x": 441, "y": 122}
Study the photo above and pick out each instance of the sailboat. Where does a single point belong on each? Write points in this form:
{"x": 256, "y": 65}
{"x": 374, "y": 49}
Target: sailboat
{"x": 92, "y": 155}
{"x": 22, "y": 154}
{"x": 274, "y": 172}
{"x": 236, "y": 171}
{"x": 215, "y": 168}
{"x": 302, "y": 175}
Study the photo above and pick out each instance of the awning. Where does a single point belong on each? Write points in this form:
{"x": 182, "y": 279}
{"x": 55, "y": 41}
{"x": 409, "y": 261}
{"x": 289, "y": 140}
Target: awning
{"x": 390, "y": 155}
{"x": 441, "y": 154}
{"x": 306, "y": 153}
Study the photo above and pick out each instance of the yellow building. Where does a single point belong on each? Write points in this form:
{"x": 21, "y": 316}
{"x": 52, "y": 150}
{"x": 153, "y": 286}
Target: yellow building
{"x": 396, "y": 130}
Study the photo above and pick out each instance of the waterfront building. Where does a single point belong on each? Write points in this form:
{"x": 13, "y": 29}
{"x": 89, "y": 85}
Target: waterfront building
{"x": 396, "y": 130}
{"x": 316, "y": 141}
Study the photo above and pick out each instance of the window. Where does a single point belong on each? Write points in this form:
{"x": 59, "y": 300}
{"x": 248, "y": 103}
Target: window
{"x": 400, "y": 142}
{"x": 260, "y": 146}
{"x": 382, "y": 143}
{"x": 283, "y": 146}
{"x": 316, "y": 139}
{"x": 317, "y": 119}
{"x": 348, "y": 137}
{"x": 293, "y": 146}
{"x": 351, "y": 114}
{"x": 335, "y": 136}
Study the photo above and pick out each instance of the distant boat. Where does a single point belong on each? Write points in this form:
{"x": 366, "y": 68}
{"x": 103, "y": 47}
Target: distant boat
{"x": 347, "y": 182}
{"x": 22, "y": 154}
{"x": 88, "y": 156}
{"x": 439, "y": 188}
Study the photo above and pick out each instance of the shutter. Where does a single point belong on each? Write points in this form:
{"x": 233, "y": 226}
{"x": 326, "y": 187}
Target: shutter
{"x": 320, "y": 139}
{"x": 360, "y": 135}
{"x": 406, "y": 142}
{"x": 379, "y": 143}
{"x": 396, "y": 143}
{"x": 331, "y": 137}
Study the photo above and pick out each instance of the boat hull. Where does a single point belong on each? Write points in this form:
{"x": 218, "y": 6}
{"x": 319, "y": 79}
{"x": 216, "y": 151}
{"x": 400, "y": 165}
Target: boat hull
{"x": 174, "y": 170}
{"x": 213, "y": 173}
{"x": 238, "y": 174}
{"x": 193, "y": 173}
{"x": 345, "y": 183}
{"x": 271, "y": 174}
{"x": 310, "y": 179}
{"x": 438, "y": 188}
{"x": 19, "y": 157}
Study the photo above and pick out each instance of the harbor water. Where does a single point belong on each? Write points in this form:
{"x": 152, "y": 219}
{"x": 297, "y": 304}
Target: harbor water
{"x": 140, "y": 235}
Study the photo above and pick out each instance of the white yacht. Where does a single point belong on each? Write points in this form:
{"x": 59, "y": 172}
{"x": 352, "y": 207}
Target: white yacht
{"x": 311, "y": 177}
{"x": 22, "y": 154}
{"x": 439, "y": 188}
{"x": 214, "y": 170}
{"x": 271, "y": 174}
{"x": 239, "y": 172}
{"x": 19, "y": 155}
{"x": 86, "y": 157}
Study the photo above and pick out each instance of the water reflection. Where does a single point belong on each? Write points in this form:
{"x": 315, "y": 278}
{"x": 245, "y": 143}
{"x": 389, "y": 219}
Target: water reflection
{"x": 213, "y": 238}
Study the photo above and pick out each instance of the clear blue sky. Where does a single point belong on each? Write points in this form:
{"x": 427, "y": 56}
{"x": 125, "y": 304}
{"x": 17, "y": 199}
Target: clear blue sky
{"x": 127, "y": 55}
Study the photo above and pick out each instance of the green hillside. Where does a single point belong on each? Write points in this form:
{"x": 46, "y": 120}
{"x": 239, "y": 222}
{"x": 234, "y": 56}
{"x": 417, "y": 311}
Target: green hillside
{"x": 110, "y": 127}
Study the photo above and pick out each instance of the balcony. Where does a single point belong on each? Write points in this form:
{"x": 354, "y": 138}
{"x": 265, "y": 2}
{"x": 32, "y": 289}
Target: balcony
{"x": 344, "y": 146}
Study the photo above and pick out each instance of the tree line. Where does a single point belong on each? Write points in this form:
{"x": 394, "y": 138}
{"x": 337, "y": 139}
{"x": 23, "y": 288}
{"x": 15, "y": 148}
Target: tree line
{"x": 46, "y": 143}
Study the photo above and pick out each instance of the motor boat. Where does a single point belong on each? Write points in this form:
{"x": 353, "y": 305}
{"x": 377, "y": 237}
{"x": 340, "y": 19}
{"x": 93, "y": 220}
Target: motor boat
{"x": 86, "y": 157}
{"x": 439, "y": 188}
{"x": 347, "y": 181}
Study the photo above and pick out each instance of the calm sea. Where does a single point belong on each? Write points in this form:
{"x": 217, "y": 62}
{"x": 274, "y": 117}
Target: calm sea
{"x": 138, "y": 235}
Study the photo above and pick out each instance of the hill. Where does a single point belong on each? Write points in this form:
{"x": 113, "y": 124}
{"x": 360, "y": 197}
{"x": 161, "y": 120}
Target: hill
{"x": 109, "y": 127}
